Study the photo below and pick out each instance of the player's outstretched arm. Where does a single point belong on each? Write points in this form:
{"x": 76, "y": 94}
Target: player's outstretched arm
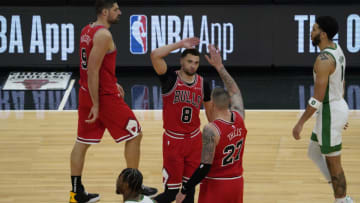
{"x": 157, "y": 55}
{"x": 230, "y": 84}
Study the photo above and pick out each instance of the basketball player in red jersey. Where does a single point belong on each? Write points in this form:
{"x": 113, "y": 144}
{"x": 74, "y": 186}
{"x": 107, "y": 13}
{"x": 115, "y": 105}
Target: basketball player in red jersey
{"x": 223, "y": 144}
{"x": 101, "y": 103}
{"x": 183, "y": 93}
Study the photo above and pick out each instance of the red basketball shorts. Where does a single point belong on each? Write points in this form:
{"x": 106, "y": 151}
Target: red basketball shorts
{"x": 181, "y": 157}
{"x": 221, "y": 190}
{"x": 114, "y": 115}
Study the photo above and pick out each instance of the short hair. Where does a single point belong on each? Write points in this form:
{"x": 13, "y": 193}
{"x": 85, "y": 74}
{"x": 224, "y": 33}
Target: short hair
{"x": 194, "y": 52}
{"x": 220, "y": 98}
{"x": 329, "y": 25}
{"x": 101, "y": 4}
{"x": 133, "y": 178}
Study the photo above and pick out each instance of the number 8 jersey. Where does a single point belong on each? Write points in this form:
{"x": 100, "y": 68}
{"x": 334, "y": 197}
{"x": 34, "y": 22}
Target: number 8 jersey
{"x": 181, "y": 106}
{"x": 229, "y": 151}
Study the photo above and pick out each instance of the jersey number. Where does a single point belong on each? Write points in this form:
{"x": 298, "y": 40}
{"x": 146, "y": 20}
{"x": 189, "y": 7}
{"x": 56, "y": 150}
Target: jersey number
{"x": 83, "y": 58}
{"x": 186, "y": 114}
{"x": 229, "y": 151}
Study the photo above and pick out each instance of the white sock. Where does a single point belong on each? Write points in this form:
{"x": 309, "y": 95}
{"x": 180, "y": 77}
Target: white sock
{"x": 314, "y": 154}
{"x": 340, "y": 200}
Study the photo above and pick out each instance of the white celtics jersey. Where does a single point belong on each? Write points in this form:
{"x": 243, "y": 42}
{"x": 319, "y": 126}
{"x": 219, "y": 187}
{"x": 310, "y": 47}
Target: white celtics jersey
{"x": 143, "y": 199}
{"x": 335, "y": 88}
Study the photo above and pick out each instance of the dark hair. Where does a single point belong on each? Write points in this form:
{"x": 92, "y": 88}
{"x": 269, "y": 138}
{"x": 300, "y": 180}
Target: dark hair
{"x": 194, "y": 52}
{"x": 329, "y": 25}
{"x": 101, "y": 4}
{"x": 133, "y": 178}
{"x": 220, "y": 98}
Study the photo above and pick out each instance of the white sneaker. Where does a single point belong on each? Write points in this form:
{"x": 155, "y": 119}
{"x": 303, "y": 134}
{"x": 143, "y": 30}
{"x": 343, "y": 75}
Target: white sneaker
{"x": 348, "y": 199}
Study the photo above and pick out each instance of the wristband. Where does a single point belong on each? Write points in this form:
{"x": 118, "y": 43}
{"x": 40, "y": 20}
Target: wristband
{"x": 314, "y": 103}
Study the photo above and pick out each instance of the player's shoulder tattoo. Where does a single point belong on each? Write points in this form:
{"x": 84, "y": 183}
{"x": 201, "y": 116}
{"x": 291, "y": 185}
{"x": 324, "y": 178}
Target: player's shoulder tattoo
{"x": 324, "y": 56}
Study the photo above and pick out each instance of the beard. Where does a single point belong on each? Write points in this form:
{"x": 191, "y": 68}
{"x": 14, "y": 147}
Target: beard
{"x": 114, "y": 21}
{"x": 316, "y": 41}
{"x": 189, "y": 73}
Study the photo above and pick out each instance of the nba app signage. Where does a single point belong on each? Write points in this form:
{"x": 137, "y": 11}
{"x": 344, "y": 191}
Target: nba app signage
{"x": 45, "y": 38}
{"x": 171, "y": 28}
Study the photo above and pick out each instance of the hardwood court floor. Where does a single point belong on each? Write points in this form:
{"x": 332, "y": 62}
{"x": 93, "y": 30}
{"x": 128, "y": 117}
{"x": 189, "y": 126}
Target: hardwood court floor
{"x": 35, "y": 149}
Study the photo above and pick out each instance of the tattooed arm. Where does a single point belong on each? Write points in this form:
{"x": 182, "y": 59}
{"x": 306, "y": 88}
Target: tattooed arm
{"x": 237, "y": 103}
{"x": 324, "y": 66}
{"x": 210, "y": 138}
{"x": 230, "y": 84}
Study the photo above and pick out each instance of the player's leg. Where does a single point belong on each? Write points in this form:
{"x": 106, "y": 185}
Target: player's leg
{"x": 123, "y": 126}
{"x": 192, "y": 162}
{"x": 132, "y": 158}
{"x": 77, "y": 162}
{"x": 173, "y": 167}
{"x": 132, "y": 151}
{"x": 78, "y": 193}
{"x": 337, "y": 175}
{"x": 87, "y": 134}
{"x": 331, "y": 147}
{"x": 316, "y": 140}
{"x": 314, "y": 153}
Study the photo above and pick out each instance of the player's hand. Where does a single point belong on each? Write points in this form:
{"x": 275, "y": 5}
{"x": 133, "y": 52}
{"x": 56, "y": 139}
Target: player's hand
{"x": 121, "y": 90}
{"x": 215, "y": 57}
{"x": 190, "y": 43}
{"x": 94, "y": 113}
{"x": 346, "y": 125}
{"x": 180, "y": 197}
{"x": 296, "y": 131}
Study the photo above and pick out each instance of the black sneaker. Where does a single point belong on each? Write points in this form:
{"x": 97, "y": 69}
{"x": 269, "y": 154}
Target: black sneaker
{"x": 149, "y": 191}
{"x": 83, "y": 197}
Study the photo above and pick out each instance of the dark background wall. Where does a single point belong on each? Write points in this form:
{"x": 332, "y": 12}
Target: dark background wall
{"x": 271, "y": 59}
{"x": 171, "y": 2}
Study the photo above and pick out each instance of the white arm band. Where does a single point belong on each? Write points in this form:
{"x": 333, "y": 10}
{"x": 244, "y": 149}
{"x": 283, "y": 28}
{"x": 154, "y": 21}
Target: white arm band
{"x": 314, "y": 103}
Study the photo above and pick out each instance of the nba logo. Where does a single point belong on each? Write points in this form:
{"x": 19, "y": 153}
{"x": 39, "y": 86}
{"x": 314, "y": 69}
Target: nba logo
{"x": 138, "y": 34}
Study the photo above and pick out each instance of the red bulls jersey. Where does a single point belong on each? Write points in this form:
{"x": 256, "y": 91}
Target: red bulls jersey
{"x": 229, "y": 151}
{"x": 181, "y": 106}
{"x": 107, "y": 78}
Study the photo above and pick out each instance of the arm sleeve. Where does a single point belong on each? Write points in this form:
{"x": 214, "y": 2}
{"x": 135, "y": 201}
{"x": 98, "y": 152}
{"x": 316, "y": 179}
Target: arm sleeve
{"x": 196, "y": 177}
{"x": 167, "y": 81}
{"x": 207, "y": 91}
